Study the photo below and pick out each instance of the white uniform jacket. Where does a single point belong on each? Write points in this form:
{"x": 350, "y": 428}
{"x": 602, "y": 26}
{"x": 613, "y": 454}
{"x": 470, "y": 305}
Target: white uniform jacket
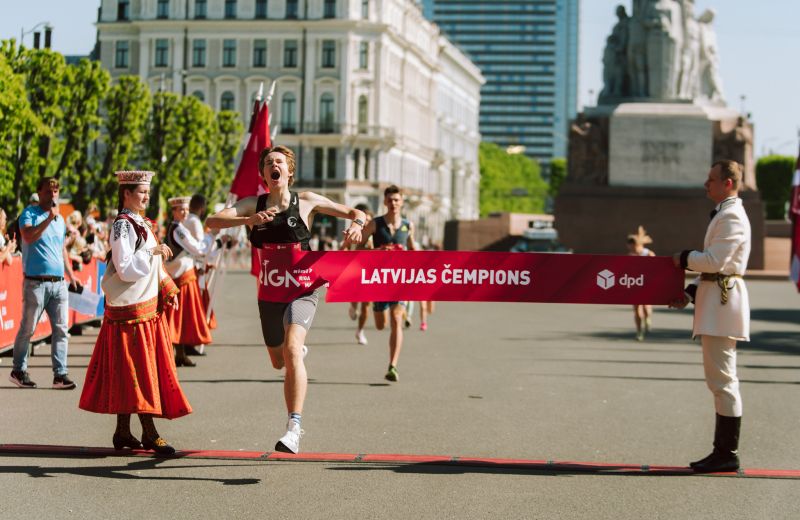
{"x": 726, "y": 250}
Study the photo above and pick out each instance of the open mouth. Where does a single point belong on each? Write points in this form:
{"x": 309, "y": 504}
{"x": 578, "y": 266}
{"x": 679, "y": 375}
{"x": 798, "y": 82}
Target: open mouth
{"x": 275, "y": 176}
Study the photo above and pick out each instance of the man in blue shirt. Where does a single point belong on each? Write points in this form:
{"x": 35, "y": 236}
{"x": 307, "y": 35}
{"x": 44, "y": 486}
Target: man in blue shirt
{"x": 44, "y": 262}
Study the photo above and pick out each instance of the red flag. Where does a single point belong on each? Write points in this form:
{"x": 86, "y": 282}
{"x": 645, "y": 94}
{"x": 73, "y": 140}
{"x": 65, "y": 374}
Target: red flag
{"x": 247, "y": 181}
{"x": 794, "y": 216}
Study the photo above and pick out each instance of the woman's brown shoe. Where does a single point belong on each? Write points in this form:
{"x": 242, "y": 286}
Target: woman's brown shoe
{"x": 125, "y": 441}
{"x": 158, "y": 445}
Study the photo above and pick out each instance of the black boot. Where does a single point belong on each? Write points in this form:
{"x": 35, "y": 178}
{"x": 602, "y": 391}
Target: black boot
{"x": 181, "y": 359}
{"x": 725, "y": 456}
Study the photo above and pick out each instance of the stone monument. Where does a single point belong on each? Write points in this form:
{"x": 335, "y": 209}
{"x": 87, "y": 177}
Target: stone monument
{"x": 640, "y": 157}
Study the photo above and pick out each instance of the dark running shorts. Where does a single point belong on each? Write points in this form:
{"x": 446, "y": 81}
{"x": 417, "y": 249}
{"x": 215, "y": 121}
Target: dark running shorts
{"x": 276, "y": 316}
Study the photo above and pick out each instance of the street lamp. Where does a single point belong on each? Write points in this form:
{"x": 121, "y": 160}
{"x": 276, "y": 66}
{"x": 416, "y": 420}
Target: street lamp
{"x": 48, "y": 29}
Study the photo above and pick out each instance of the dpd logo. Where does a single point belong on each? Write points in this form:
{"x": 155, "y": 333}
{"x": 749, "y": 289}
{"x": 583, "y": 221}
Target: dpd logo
{"x": 606, "y": 280}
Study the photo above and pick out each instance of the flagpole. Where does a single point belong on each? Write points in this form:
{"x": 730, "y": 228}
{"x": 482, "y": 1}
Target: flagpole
{"x": 219, "y": 270}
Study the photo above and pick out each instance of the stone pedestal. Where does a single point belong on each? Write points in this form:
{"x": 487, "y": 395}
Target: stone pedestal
{"x": 598, "y": 219}
{"x": 644, "y": 163}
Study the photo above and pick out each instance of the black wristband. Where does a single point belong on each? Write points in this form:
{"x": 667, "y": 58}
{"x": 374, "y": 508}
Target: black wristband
{"x": 685, "y": 258}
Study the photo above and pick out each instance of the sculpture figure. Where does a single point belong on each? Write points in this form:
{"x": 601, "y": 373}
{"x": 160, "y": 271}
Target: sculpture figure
{"x": 664, "y": 24}
{"x": 688, "y": 79}
{"x": 615, "y": 58}
{"x": 710, "y": 82}
{"x": 637, "y": 52}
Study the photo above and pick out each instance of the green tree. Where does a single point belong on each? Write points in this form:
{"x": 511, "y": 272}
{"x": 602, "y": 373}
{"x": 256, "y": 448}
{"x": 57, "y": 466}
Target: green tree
{"x": 509, "y": 182}
{"x": 42, "y": 72}
{"x": 228, "y": 139}
{"x": 125, "y": 108}
{"x": 17, "y": 120}
{"x": 558, "y": 172}
{"x": 774, "y": 179}
{"x": 86, "y": 85}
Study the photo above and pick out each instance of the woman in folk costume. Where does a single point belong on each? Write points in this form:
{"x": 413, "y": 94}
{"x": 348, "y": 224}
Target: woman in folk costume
{"x": 132, "y": 369}
{"x": 642, "y": 314}
{"x": 188, "y": 321}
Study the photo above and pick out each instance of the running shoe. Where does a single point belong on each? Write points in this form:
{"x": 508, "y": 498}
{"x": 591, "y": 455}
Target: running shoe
{"x": 423, "y": 326}
{"x": 391, "y": 374}
{"x": 640, "y": 336}
{"x": 361, "y": 338}
{"x": 21, "y": 379}
{"x": 352, "y": 313}
{"x": 63, "y": 383}
{"x": 290, "y": 442}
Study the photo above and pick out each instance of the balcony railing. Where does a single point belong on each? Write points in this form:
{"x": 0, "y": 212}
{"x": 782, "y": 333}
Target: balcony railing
{"x": 375, "y": 132}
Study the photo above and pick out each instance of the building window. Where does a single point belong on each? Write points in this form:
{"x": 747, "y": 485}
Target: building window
{"x": 326, "y": 114}
{"x": 291, "y": 9}
{"x": 357, "y": 163}
{"x": 162, "y": 52}
{"x": 229, "y": 53}
{"x": 363, "y": 115}
{"x": 319, "y": 158}
{"x": 332, "y": 163}
{"x": 121, "y": 55}
{"x": 200, "y": 9}
{"x": 162, "y": 10}
{"x": 290, "y": 54}
{"x": 199, "y": 95}
{"x": 365, "y": 9}
{"x": 261, "y": 9}
{"x": 124, "y": 10}
{"x": 366, "y": 164}
{"x": 363, "y": 55}
{"x": 259, "y": 53}
{"x": 288, "y": 116}
{"x": 330, "y": 9}
{"x": 198, "y": 53}
{"x": 328, "y": 54}
{"x": 226, "y": 102}
{"x": 230, "y": 9}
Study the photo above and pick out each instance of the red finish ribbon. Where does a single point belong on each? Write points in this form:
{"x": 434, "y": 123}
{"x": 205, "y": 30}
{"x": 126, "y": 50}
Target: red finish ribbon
{"x": 286, "y": 272}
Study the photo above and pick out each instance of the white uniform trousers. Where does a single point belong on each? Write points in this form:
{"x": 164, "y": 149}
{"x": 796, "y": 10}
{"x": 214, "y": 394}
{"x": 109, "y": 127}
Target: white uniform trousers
{"x": 719, "y": 363}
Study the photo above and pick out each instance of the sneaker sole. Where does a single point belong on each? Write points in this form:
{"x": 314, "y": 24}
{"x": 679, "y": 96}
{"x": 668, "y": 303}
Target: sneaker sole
{"x": 61, "y": 386}
{"x": 20, "y": 385}
{"x": 281, "y": 447}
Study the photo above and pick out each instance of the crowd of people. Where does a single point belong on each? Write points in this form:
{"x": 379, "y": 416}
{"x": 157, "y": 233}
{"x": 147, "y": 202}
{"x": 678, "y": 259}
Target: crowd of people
{"x": 157, "y": 304}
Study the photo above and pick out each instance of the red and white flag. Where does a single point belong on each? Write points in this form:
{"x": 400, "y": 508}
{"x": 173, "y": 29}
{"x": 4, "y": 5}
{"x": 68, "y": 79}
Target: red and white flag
{"x": 247, "y": 181}
{"x": 794, "y": 216}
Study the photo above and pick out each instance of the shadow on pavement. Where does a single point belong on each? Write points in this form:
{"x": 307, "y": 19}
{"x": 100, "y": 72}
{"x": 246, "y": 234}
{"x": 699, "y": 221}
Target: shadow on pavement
{"x": 121, "y": 472}
{"x": 543, "y": 469}
{"x": 776, "y": 315}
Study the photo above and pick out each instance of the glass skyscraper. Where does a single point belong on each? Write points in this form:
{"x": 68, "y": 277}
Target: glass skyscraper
{"x": 528, "y": 52}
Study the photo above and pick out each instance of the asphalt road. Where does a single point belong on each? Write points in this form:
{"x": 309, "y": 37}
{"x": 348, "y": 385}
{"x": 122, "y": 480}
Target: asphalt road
{"x": 512, "y": 381}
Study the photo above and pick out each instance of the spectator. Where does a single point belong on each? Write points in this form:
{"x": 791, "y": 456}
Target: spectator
{"x": 7, "y": 245}
{"x": 44, "y": 262}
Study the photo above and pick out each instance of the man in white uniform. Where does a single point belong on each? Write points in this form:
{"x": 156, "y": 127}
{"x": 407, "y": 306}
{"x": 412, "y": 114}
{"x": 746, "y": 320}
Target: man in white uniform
{"x": 722, "y": 308}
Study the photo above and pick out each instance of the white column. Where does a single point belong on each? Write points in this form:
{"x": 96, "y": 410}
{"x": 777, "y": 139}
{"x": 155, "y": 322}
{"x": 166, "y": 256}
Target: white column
{"x": 144, "y": 59}
{"x": 177, "y": 64}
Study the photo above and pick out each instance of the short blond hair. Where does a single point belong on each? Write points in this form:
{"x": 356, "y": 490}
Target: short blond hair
{"x": 730, "y": 170}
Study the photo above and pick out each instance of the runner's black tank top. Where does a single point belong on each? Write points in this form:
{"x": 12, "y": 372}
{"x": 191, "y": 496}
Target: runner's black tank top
{"x": 383, "y": 235}
{"x": 286, "y": 228}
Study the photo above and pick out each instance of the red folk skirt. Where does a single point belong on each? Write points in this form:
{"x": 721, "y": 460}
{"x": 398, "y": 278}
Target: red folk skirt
{"x": 188, "y": 325}
{"x": 132, "y": 370}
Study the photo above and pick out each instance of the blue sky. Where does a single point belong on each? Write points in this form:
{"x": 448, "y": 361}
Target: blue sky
{"x": 759, "y": 43}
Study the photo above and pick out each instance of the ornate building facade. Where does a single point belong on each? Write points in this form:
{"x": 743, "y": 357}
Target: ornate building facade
{"x": 368, "y": 92}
